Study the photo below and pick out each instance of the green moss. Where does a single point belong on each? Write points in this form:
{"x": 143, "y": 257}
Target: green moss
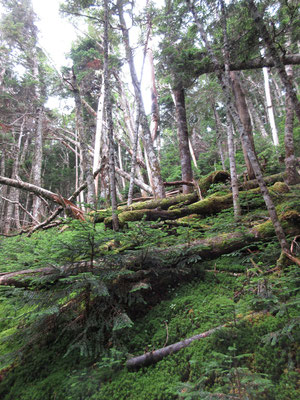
{"x": 280, "y": 187}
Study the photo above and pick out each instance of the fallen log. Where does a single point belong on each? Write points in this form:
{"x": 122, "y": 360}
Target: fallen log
{"x": 75, "y": 211}
{"x": 270, "y": 180}
{"x": 153, "y": 357}
{"x": 153, "y": 273}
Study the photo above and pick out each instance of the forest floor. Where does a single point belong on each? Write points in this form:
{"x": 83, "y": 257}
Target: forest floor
{"x": 108, "y": 298}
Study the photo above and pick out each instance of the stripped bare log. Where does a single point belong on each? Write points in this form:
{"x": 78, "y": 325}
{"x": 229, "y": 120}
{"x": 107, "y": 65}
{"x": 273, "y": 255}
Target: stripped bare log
{"x": 153, "y": 357}
{"x": 75, "y": 211}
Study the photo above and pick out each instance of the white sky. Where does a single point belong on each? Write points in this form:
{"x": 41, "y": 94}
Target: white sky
{"x": 56, "y": 33}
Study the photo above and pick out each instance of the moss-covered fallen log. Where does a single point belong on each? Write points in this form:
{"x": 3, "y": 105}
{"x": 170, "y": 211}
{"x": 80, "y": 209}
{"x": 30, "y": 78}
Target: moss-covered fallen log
{"x": 166, "y": 265}
{"x": 165, "y": 204}
{"x": 209, "y": 206}
{"x": 270, "y": 180}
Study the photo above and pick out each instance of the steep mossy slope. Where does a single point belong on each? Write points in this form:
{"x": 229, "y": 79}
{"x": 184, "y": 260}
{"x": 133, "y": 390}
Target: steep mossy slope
{"x": 67, "y": 335}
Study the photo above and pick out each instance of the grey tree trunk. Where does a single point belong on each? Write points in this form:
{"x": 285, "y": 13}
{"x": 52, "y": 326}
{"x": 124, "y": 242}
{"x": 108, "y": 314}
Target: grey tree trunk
{"x": 292, "y": 176}
{"x": 37, "y": 163}
{"x": 270, "y": 107}
{"x": 86, "y": 159}
{"x": 242, "y": 109}
{"x": 157, "y": 182}
{"x": 134, "y": 157}
{"x": 183, "y": 138}
{"x": 109, "y": 119}
{"x": 234, "y": 181}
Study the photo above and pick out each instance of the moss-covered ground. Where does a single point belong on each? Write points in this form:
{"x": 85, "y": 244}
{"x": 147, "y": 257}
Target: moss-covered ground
{"x": 256, "y": 356}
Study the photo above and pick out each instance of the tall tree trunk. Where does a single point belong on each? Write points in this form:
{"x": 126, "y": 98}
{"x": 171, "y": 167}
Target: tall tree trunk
{"x": 224, "y": 80}
{"x": 270, "y": 107}
{"x": 98, "y": 135}
{"x": 256, "y": 118}
{"x": 37, "y": 163}
{"x": 273, "y": 53}
{"x": 292, "y": 175}
{"x": 234, "y": 181}
{"x": 157, "y": 182}
{"x": 242, "y": 109}
{"x": 134, "y": 157}
{"x": 110, "y": 124}
{"x": 183, "y": 138}
{"x": 86, "y": 161}
{"x": 219, "y": 136}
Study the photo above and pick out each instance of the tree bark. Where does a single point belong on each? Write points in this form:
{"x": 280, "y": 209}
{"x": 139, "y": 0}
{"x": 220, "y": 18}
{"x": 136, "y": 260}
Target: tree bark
{"x": 270, "y": 107}
{"x": 242, "y": 109}
{"x": 110, "y": 124}
{"x": 292, "y": 175}
{"x": 234, "y": 181}
{"x": 183, "y": 138}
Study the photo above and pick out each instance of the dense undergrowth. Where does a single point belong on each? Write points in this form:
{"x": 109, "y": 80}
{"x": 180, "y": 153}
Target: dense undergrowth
{"x": 68, "y": 335}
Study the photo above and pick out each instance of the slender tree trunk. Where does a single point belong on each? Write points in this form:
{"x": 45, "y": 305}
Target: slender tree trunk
{"x": 110, "y": 124}
{"x": 183, "y": 138}
{"x": 273, "y": 53}
{"x": 134, "y": 157}
{"x": 37, "y": 163}
{"x": 219, "y": 136}
{"x": 270, "y": 107}
{"x": 86, "y": 161}
{"x": 256, "y": 118}
{"x": 157, "y": 182}
{"x": 244, "y": 117}
{"x": 234, "y": 181}
{"x": 98, "y": 136}
{"x": 292, "y": 176}
{"x": 121, "y": 164}
{"x": 224, "y": 80}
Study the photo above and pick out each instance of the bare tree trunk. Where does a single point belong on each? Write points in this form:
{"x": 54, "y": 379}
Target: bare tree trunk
{"x": 270, "y": 107}
{"x": 37, "y": 163}
{"x": 98, "y": 135}
{"x": 110, "y": 124}
{"x": 133, "y": 158}
{"x": 234, "y": 181}
{"x": 256, "y": 118}
{"x": 273, "y": 53}
{"x": 157, "y": 182}
{"x": 292, "y": 176}
{"x": 183, "y": 138}
{"x": 224, "y": 80}
{"x": 219, "y": 136}
{"x": 86, "y": 161}
{"x": 244, "y": 117}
